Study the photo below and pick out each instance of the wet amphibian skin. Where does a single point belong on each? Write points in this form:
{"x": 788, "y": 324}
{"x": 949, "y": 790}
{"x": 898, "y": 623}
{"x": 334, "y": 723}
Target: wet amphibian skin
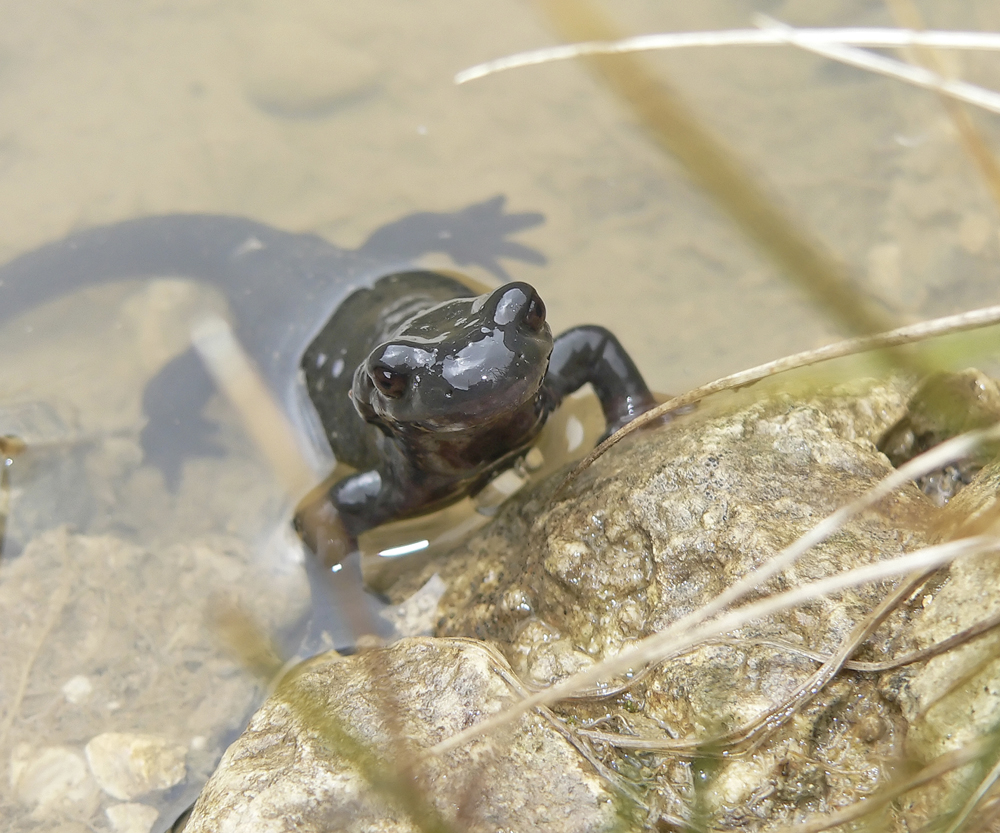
{"x": 429, "y": 390}
{"x": 424, "y": 387}
{"x": 280, "y": 287}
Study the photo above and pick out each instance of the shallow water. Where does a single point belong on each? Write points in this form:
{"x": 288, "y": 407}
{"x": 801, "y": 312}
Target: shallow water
{"x": 326, "y": 118}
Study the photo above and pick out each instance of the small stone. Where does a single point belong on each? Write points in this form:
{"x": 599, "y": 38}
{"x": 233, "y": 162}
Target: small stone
{"x": 54, "y": 775}
{"x": 77, "y": 689}
{"x": 127, "y": 765}
{"x": 282, "y": 777}
{"x": 132, "y": 818}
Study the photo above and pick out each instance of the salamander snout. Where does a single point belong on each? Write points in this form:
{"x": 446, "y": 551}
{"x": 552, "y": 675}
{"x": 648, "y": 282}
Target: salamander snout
{"x": 519, "y": 303}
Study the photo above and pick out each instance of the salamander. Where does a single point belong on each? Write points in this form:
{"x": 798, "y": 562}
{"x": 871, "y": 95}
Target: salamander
{"x": 280, "y": 287}
{"x": 423, "y": 386}
{"x": 447, "y": 388}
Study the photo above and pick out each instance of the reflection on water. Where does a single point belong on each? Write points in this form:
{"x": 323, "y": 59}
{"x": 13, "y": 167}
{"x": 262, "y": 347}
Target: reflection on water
{"x": 321, "y": 118}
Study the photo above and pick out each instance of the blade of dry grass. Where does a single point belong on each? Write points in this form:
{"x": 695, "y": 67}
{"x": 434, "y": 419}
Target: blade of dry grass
{"x": 384, "y": 777}
{"x": 948, "y": 325}
{"x": 244, "y": 637}
{"x": 233, "y": 372}
{"x": 674, "y": 638}
{"x": 749, "y": 736}
{"x": 935, "y": 769}
{"x": 392, "y": 781}
{"x": 975, "y": 800}
{"x": 856, "y": 36}
{"x": 882, "y": 65}
{"x": 968, "y": 634}
{"x": 908, "y": 15}
{"x": 57, "y": 603}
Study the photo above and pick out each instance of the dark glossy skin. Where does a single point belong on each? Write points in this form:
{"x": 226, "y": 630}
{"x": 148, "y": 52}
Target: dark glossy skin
{"x": 281, "y": 288}
{"x": 452, "y": 392}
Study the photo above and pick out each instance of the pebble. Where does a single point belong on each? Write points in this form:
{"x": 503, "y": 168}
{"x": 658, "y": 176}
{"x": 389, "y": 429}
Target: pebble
{"x": 53, "y": 775}
{"x": 77, "y": 689}
{"x": 131, "y": 817}
{"x": 129, "y": 765}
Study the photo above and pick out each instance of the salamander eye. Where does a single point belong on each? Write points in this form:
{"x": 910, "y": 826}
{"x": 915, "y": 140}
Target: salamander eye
{"x": 534, "y": 315}
{"x": 390, "y": 382}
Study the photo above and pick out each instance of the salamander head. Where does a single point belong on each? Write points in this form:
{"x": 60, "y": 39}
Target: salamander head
{"x": 458, "y": 365}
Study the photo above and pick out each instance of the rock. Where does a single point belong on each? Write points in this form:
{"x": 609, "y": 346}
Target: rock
{"x": 945, "y": 405}
{"x": 51, "y": 779}
{"x": 670, "y": 518}
{"x": 128, "y": 765}
{"x": 953, "y": 700}
{"x": 738, "y": 729}
{"x": 77, "y": 689}
{"x": 416, "y": 615}
{"x": 291, "y": 771}
{"x": 132, "y": 817}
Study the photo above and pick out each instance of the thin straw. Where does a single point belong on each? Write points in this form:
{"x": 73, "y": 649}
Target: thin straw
{"x": 871, "y": 37}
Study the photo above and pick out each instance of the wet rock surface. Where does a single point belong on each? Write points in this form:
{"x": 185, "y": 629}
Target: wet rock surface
{"x": 661, "y": 525}
{"x": 740, "y": 730}
{"x": 292, "y": 770}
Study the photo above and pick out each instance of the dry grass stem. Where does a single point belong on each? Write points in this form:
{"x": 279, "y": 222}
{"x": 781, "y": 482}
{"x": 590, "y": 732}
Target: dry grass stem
{"x": 749, "y": 736}
{"x": 243, "y": 635}
{"x": 948, "y": 325}
{"x": 56, "y": 605}
{"x": 675, "y": 638}
{"x": 908, "y": 15}
{"x": 967, "y": 635}
{"x": 976, "y": 799}
{"x": 890, "y": 67}
{"x": 385, "y": 778}
{"x": 855, "y": 36}
{"x": 935, "y": 769}
{"x": 518, "y": 687}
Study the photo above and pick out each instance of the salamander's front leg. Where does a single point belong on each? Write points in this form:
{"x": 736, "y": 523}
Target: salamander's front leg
{"x": 330, "y": 519}
{"x": 592, "y": 354}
